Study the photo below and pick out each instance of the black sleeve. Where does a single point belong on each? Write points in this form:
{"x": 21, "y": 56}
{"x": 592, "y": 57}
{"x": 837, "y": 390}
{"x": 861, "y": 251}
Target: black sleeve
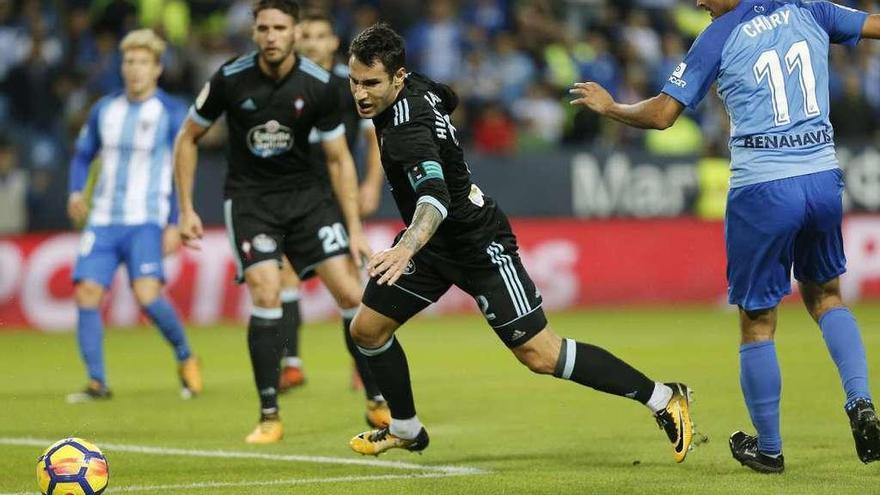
{"x": 329, "y": 124}
{"x": 211, "y": 101}
{"x": 412, "y": 145}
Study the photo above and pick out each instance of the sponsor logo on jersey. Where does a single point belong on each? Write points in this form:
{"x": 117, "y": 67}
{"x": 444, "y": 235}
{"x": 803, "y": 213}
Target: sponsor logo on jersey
{"x": 146, "y": 125}
{"x": 264, "y": 243}
{"x": 269, "y": 139}
{"x": 679, "y": 71}
{"x": 677, "y": 74}
{"x": 517, "y": 334}
{"x": 775, "y": 141}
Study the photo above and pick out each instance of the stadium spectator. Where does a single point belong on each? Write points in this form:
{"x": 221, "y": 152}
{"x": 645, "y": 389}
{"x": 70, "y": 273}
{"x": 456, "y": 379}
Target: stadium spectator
{"x": 494, "y": 131}
{"x": 851, "y": 114}
{"x": 436, "y": 44}
{"x": 13, "y": 190}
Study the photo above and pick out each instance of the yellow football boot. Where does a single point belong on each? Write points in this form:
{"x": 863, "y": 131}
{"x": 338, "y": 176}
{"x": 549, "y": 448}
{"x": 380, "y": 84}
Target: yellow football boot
{"x": 378, "y": 415}
{"x": 190, "y": 372}
{"x": 675, "y": 420}
{"x": 377, "y": 441}
{"x": 268, "y": 430}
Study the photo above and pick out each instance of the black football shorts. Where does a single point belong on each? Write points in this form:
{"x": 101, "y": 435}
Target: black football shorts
{"x": 493, "y": 275}
{"x": 306, "y": 226}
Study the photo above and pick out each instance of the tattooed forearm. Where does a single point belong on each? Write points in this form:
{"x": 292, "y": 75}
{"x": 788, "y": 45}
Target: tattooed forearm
{"x": 426, "y": 220}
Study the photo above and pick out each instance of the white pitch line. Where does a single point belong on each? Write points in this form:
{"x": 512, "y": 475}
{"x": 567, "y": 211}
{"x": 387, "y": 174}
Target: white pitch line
{"x": 228, "y": 454}
{"x": 280, "y": 482}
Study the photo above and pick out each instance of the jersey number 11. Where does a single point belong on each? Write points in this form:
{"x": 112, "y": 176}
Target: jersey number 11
{"x": 769, "y": 66}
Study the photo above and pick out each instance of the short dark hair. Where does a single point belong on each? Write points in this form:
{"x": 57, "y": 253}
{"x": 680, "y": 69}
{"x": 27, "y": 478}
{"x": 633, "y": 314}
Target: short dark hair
{"x": 379, "y": 43}
{"x": 318, "y": 15}
{"x": 289, "y": 7}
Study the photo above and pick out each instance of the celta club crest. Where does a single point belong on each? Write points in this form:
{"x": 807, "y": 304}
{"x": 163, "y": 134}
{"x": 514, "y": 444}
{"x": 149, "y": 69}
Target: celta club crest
{"x": 298, "y": 104}
{"x": 410, "y": 268}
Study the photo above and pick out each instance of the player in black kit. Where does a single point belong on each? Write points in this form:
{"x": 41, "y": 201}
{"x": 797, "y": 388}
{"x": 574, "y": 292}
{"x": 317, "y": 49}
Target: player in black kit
{"x": 276, "y": 203}
{"x": 319, "y": 43}
{"x": 455, "y": 235}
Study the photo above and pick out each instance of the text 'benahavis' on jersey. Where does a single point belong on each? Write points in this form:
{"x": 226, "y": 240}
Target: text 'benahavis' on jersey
{"x": 418, "y": 143}
{"x": 269, "y": 123}
{"x": 770, "y": 58}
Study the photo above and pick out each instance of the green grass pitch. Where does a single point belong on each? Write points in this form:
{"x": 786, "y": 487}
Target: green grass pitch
{"x": 526, "y": 434}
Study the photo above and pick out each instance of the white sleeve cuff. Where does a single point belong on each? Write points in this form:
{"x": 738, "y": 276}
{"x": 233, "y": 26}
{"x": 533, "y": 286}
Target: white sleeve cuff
{"x": 431, "y": 200}
{"x": 332, "y": 134}
{"x": 198, "y": 119}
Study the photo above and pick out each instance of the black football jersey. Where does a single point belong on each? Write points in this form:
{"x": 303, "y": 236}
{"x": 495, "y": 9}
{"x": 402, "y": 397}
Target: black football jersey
{"x": 424, "y": 162}
{"x": 269, "y": 123}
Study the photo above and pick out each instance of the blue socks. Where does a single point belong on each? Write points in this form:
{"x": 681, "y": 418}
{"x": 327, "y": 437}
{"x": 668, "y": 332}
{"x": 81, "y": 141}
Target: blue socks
{"x": 761, "y": 383}
{"x": 841, "y": 334}
{"x": 165, "y": 317}
{"x": 90, "y": 334}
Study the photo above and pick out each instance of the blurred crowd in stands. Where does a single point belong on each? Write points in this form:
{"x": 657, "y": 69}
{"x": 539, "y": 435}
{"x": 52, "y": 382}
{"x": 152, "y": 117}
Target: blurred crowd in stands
{"x": 512, "y": 61}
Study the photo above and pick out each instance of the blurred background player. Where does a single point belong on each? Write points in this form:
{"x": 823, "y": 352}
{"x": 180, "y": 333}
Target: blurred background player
{"x": 319, "y": 42}
{"x": 132, "y": 202}
{"x": 276, "y": 203}
{"x": 457, "y": 236}
{"x": 770, "y": 60}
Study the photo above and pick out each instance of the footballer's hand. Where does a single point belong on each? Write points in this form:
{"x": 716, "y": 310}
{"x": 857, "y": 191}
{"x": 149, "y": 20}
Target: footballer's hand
{"x": 171, "y": 240}
{"x": 191, "y": 229}
{"x": 593, "y": 96}
{"x": 369, "y": 197}
{"x": 389, "y": 263}
{"x": 359, "y": 247}
{"x": 77, "y": 209}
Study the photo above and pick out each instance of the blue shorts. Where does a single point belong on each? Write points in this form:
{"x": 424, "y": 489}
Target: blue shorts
{"x": 102, "y": 249}
{"x": 773, "y": 225}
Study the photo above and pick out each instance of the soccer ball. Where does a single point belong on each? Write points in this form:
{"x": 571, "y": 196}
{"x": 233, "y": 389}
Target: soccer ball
{"x": 72, "y": 467}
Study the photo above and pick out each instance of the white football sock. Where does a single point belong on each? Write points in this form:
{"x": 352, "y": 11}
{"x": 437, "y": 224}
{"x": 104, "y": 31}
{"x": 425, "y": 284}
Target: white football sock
{"x": 659, "y": 398}
{"x": 406, "y": 428}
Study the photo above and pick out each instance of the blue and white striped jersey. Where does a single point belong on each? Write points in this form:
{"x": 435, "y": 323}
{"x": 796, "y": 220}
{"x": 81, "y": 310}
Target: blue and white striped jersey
{"x": 770, "y": 59}
{"x": 135, "y": 141}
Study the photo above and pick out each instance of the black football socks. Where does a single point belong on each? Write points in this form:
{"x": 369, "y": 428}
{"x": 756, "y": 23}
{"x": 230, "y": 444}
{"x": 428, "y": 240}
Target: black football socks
{"x": 599, "y": 369}
{"x": 264, "y": 343}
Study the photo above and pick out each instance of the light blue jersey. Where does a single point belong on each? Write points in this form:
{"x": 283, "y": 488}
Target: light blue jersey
{"x": 770, "y": 59}
{"x": 135, "y": 142}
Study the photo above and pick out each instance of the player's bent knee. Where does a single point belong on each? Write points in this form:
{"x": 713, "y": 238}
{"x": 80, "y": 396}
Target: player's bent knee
{"x": 371, "y": 330}
{"x": 88, "y": 294}
{"x": 349, "y": 300}
{"x": 146, "y": 290}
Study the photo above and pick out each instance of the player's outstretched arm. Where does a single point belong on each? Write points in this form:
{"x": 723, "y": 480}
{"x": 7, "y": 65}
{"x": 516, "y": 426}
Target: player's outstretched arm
{"x": 871, "y": 29}
{"x": 659, "y": 112}
{"x": 391, "y": 263}
{"x": 343, "y": 179}
{"x": 186, "y": 155}
{"x": 371, "y": 187}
